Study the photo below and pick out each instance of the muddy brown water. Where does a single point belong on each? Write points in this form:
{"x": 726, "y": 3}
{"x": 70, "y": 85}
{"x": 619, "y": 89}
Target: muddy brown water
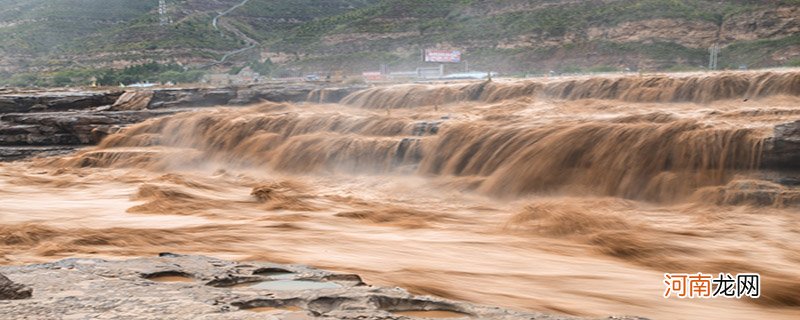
{"x": 276, "y": 310}
{"x": 171, "y": 279}
{"x": 562, "y": 203}
{"x": 434, "y": 314}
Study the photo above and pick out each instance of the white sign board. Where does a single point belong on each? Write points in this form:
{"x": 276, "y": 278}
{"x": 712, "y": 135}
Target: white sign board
{"x": 445, "y": 56}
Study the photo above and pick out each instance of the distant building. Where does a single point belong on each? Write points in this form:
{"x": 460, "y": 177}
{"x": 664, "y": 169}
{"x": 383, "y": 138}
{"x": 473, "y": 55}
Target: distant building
{"x": 142, "y": 85}
{"x": 475, "y": 75}
{"x": 244, "y": 77}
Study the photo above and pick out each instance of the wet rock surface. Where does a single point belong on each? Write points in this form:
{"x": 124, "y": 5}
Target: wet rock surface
{"x": 782, "y": 150}
{"x": 39, "y": 122}
{"x": 195, "y": 287}
{"x": 67, "y": 128}
{"x": 161, "y": 98}
{"x": 13, "y": 153}
{"x": 53, "y": 101}
{"x": 133, "y": 100}
{"x": 13, "y": 291}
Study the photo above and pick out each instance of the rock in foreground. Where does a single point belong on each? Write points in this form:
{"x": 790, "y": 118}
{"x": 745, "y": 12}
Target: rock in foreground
{"x": 11, "y": 291}
{"x": 195, "y": 287}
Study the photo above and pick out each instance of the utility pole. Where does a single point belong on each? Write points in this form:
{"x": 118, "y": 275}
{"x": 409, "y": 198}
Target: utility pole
{"x": 713, "y": 56}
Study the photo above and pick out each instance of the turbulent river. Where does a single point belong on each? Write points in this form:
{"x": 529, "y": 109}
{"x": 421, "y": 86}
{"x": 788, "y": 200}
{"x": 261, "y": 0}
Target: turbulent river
{"x": 561, "y": 196}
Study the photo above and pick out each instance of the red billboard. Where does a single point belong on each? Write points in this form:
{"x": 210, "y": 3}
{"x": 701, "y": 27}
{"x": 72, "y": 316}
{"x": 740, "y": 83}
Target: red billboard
{"x": 372, "y": 76}
{"x": 445, "y": 56}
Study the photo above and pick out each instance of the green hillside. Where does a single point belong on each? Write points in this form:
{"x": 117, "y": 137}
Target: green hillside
{"x": 265, "y": 20}
{"x": 41, "y": 26}
{"x": 45, "y": 39}
{"x": 558, "y": 29}
{"x": 511, "y": 36}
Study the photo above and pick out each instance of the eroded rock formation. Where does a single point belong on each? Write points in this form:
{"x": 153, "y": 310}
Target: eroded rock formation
{"x": 43, "y": 122}
{"x": 782, "y": 150}
{"x": 49, "y": 101}
{"x": 196, "y": 287}
{"x": 66, "y": 128}
{"x": 13, "y": 291}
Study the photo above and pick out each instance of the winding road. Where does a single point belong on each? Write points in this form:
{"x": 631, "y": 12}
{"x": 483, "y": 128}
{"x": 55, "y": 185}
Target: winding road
{"x": 216, "y": 19}
{"x": 215, "y": 24}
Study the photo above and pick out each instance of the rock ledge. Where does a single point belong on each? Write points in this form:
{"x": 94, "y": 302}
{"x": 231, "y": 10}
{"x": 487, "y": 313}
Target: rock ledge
{"x": 195, "y": 287}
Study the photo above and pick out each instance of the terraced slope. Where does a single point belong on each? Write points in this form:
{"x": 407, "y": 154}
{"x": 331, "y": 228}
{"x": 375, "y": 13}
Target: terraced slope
{"x": 513, "y": 36}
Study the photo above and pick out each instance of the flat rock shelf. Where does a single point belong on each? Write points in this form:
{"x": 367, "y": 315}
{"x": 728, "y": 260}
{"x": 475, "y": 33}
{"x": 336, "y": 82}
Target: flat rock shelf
{"x": 174, "y": 286}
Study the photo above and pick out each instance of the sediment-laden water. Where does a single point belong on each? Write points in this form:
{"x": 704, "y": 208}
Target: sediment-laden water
{"x": 566, "y": 196}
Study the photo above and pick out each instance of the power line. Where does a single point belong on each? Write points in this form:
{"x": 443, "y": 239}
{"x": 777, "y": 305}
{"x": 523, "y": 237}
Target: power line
{"x": 713, "y": 57}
